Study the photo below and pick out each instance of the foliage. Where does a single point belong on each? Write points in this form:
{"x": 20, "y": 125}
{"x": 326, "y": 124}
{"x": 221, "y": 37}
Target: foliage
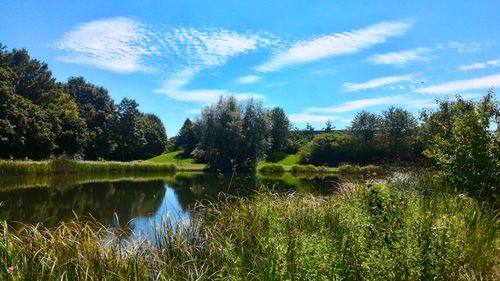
{"x": 326, "y": 149}
{"x": 462, "y": 143}
{"x": 381, "y": 231}
{"x": 280, "y": 128}
{"x": 282, "y": 158}
{"x": 271, "y": 169}
{"x": 232, "y": 137}
{"x": 41, "y": 118}
{"x": 187, "y": 138}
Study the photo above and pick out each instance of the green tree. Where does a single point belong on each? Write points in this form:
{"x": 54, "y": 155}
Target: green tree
{"x": 130, "y": 130}
{"x": 187, "y": 138}
{"x": 155, "y": 135}
{"x": 332, "y": 148}
{"x": 280, "y": 129}
{"x": 400, "y": 128}
{"x": 463, "y": 140}
{"x": 256, "y": 136}
{"x": 328, "y": 127}
{"x": 100, "y": 114}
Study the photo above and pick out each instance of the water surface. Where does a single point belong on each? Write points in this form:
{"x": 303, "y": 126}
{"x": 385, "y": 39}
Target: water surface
{"x": 134, "y": 201}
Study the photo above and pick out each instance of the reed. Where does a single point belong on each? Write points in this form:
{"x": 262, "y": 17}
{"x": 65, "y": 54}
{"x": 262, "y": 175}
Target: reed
{"x": 66, "y": 166}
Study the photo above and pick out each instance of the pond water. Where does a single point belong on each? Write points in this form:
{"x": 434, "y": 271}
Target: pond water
{"x": 135, "y": 201}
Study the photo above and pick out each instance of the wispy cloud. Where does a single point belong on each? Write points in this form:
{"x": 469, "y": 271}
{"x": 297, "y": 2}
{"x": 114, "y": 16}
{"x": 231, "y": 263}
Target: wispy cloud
{"x": 335, "y": 45}
{"x": 378, "y": 82}
{"x": 175, "y": 88}
{"x": 127, "y": 45}
{"x": 480, "y": 65}
{"x": 248, "y": 79}
{"x": 465, "y": 47}
{"x": 460, "y": 86}
{"x": 401, "y": 58}
{"x": 303, "y": 118}
{"x": 115, "y": 44}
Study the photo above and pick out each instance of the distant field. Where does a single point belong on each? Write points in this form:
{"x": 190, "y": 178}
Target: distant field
{"x": 178, "y": 158}
{"x": 282, "y": 159}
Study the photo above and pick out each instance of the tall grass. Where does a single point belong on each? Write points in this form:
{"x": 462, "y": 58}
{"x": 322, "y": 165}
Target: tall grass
{"x": 66, "y": 166}
{"x": 378, "y": 231}
{"x": 271, "y": 169}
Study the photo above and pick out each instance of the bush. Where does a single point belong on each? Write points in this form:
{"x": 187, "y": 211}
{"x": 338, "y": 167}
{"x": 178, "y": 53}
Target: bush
{"x": 271, "y": 169}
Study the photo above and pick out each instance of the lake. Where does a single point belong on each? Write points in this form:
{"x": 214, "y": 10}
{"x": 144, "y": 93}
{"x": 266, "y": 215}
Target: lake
{"x": 136, "y": 201}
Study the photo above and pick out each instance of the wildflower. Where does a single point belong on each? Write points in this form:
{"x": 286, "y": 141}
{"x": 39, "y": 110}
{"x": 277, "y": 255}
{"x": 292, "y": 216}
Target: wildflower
{"x": 10, "y": 269}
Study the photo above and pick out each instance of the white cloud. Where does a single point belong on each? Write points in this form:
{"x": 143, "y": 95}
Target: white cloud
{"x": 465, "y": 47}
{"x": 335, "y": 45}
{"x": 174, "y": 87}
{"x": 480, "y": 65}
{"x": 400, "y": 58}
{"x": 126, "y": 45}
{"x": 305, "y": 118}
{"x": 378, "y": 82}
{"x": 115, "y": 44}
{"x": 462, "y": 85}
{"x": 248, "y": 79}
{"x": 360, "y": 104}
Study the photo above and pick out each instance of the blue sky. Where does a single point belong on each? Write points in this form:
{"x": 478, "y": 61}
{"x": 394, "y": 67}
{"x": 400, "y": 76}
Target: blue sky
{"x": 319, "y": 60}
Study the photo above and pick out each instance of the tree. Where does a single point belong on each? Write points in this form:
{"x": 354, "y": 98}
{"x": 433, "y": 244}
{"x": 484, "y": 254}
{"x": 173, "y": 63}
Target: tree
{"x": 100, "y": 114}
{"x": 232, "y": 138}
{"x": 365, "y": 125}
{"x": 280, "y": 128}
{"x": 463, "y": 140}
{"x": 155, "y": 135}
{"x": 131, "y": 138}
{"x": 256, "y": 138}
{"x": 187, "y": 138}
{"x": 400, "y": 128}
{"x": 328, "y": 126}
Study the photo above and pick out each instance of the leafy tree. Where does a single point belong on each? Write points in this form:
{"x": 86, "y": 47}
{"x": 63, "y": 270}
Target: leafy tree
{"x": 280, "y": 129}
{"x": 100, "y": 114}
{"x": 155, "y": 135}
{"x": 232, "y": 138}
{"x": 131, "y": 138}
{"x": 463, "y": 140}
{"x": 400, "y": 128}
{"x": 256, "y": 137}
{"x": 187, "y": 139}
{"x": 365, "y": 125}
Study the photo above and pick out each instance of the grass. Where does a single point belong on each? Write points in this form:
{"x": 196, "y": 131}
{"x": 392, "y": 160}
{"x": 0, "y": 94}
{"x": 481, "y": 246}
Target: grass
{"x": 66, "y": 166}
{"x": 394, "y": 230}
{"x": 181, "y": 160}
{"x": 282, "y": 158}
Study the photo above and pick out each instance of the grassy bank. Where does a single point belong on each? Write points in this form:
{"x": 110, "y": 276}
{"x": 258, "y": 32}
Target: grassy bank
{"x": 64, "y": 166}
{"x": 383, "y": 231}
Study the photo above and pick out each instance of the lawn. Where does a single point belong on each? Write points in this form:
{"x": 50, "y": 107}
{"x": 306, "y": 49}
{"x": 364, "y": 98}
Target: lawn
{"x": 180, "y": 159}
{"x": 282, "y": 159}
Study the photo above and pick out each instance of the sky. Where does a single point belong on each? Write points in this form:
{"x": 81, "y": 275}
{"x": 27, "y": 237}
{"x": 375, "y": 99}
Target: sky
{"x": 318, "y": 60}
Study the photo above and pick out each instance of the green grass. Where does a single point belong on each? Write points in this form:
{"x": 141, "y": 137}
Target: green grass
{"x": 395, "y": 230}
{"x": 182, "y": 161}
{"x": 66, "y": 167}
{"x": 282, "y": 158}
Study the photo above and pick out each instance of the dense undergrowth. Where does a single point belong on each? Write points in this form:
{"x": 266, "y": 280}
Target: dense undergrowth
{"x": 401, "y": 229}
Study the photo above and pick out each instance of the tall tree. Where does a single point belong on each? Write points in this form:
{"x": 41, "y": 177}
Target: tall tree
{"x": 130, "y": 130}
{"x": 328, "y": 126}
{"x": 280, "y": 128}
{"x": 155, "y": 135}
{"x": 187, "y": 139}
{"x": 400, "y": 128}
{"x": 100, "y": 114}
{"x": 256, "y": 138}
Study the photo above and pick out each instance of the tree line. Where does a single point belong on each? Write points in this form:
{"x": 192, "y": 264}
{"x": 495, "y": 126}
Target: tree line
{"x": 459, "y": 138}
{"x": 41, "y": 118}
